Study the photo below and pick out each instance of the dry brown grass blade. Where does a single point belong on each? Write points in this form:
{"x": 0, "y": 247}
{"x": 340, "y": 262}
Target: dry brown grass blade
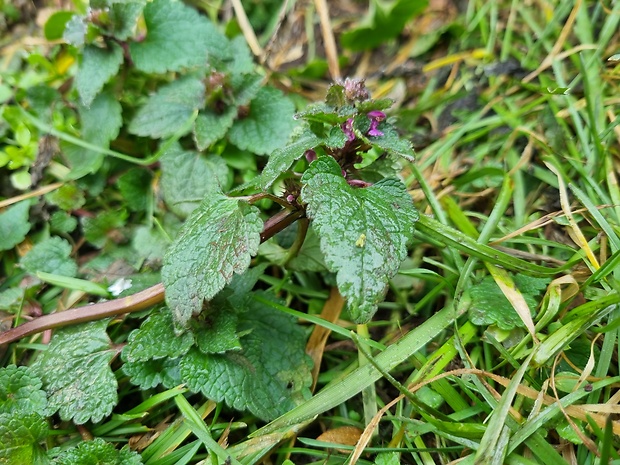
{"x": 316, "y": 343}
{"x": 574, "y": 231}
{"x": 246, "y": 28}
{"x": 28, "y": 195}
{"x": 559, "y": 44}
{"x": 328, "y": 38}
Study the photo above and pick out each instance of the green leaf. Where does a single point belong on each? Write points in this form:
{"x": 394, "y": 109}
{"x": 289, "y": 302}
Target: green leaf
{"x": 168, "y": 110}
{"x": 51, "y": 255}
{"x": 335, "y": 96}
{"x": 387, "y": 458}
{"x": 75, "y": 31}
{"x": 76, "y": 373}
{"x": 242, "y": 60}
{"x": 20, "y": 391}
{"x": 245, "y": 87}
{"x": 97, "y": 452}
{"x": 322, "y": 113}
{"x": 268, "y": 377}
{"x": 149, "y": 243}
{"x": 177, "y": 37}
{"x": 20, "y": 434}
{"x": 385, "y": 20}
{"x": 363, "y": 232}
{"x": 374, "y": 104}
{"x": 68, "y": 197}
{"x": 97, "y": 229}
{"x": 101, "y": 123}
{"x": 156, "y": 339}
{"x": 135, "y": 187}
{"x": 188, "y": 177}
{"x": 211, "y": 127}
{"x": 216, "y": 333}
{"x": 489, "y": 306}
{"x": 151, "y": 373}
{"x": 216, "y": 241}
{"x": 97, "y": 67}
{"x": 282, "y": 159}
{"x": 12, "y": 299}
{"x": 63, "y": 223}
{"x": 124, "y": 17}
{"x": 241, "y": 285}
{"x": 392, "y": 143}
{"x": 14, "y": 225}
{"x": 56, "y": 24}
{"x": 268, "y": 124}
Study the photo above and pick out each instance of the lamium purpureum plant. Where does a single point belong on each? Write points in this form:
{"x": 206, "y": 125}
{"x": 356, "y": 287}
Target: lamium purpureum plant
{"x": 336, "y": 177}
{"x": 363, "y": 226}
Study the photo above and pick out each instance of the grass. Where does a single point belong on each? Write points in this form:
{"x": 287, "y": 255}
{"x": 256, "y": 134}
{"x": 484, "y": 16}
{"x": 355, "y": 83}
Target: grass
{"x": 520, "y": 181}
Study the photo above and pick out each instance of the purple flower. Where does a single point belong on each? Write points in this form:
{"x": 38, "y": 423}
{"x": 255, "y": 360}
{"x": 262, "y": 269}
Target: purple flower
{"x": 310, "y": 155}
{"x": 347, "y": 127}
{"x": 373, "y": 131}
{"x": 375, "y": 117}
{"x": 355, "y": 90}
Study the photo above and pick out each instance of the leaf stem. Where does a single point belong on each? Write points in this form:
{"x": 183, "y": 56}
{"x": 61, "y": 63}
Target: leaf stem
{"x": 49, "y": 129}
{"x": 252, "y": 199}
{"x": 279, "y": 222}
{"x": 134, "y": 303}
{"x": 299, "y": 240}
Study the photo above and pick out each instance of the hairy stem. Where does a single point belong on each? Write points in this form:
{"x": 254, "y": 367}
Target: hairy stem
{"x": 133, "y": 303}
